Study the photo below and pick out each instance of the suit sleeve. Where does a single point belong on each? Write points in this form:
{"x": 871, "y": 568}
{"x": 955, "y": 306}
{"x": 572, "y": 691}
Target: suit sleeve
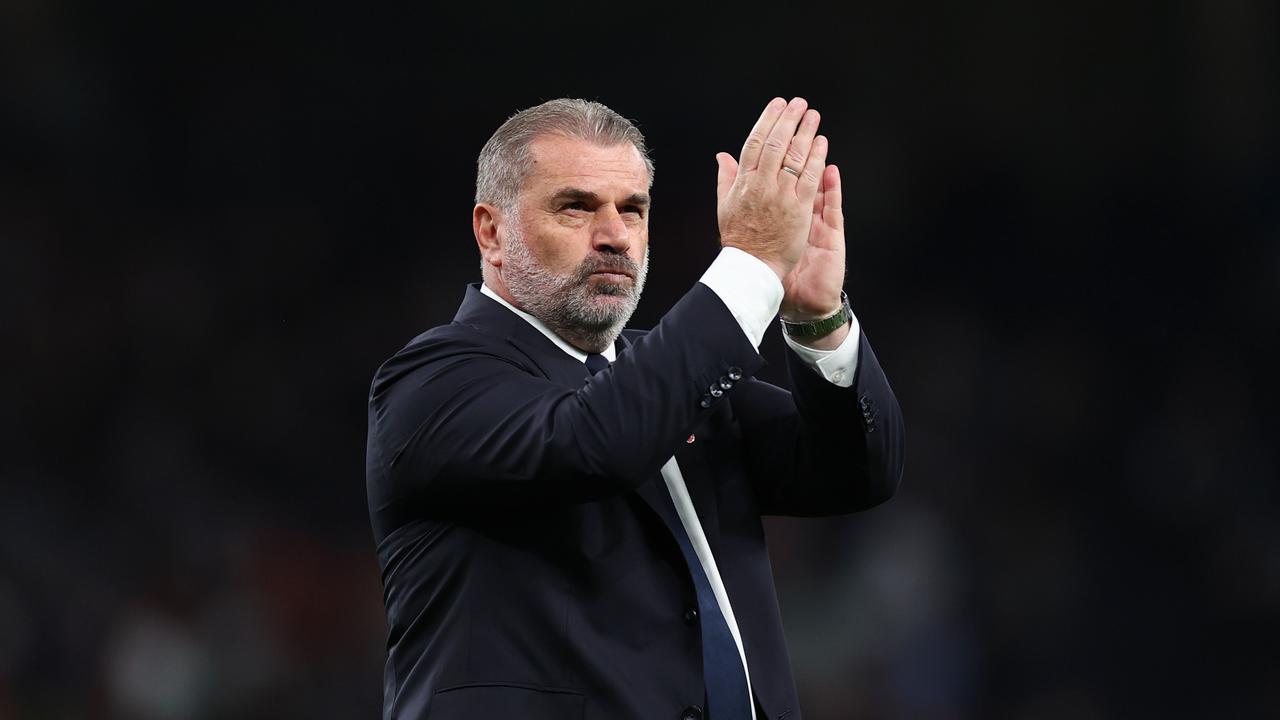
{"x": 456, "y": 422}
{"x": 823, "y": 449}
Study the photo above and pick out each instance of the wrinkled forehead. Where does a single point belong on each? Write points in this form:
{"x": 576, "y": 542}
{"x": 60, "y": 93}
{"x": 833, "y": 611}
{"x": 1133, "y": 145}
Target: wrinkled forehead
{"x": 557, "y": 161}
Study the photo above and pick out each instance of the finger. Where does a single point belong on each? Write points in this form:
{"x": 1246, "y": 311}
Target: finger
{"x": 819, "y": 196}
{"x": 798, "y": 153}
{"x": 728, "y": 170}
{"x": 832, "y": 197}
{"x": 750, "y": 154}
{"x": 779, "y": 139}
{"x": 811, "y": 177}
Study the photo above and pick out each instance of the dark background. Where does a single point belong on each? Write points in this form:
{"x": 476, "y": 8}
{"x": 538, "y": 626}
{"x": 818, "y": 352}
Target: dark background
{"x": 1063, "y": 219}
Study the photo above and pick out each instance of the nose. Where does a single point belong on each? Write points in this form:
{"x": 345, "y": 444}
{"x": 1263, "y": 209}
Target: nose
{"x": 610, "y": 231}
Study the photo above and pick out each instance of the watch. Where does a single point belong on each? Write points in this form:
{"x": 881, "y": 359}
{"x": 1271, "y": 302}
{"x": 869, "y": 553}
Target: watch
{"x": 819, "y": 328}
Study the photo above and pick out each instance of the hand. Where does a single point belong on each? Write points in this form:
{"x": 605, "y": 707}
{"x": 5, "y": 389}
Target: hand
{"x": 762, "y": 208}
{"x": 812, "y": 288}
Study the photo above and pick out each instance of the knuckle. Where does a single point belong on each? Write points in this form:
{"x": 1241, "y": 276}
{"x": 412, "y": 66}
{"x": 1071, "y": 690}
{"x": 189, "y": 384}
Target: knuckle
{"x": 774, "y": 144}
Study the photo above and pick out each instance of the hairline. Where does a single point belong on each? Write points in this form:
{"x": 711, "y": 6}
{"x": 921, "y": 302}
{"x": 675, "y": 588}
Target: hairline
{"x": 504, "y": 167}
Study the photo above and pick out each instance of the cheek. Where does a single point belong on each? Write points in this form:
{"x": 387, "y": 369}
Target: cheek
{"x": 561, "y": 250}
{"x": 638, "y": 249}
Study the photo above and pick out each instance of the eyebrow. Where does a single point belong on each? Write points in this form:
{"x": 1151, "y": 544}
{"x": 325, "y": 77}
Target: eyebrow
{"x": 572, "y": 193}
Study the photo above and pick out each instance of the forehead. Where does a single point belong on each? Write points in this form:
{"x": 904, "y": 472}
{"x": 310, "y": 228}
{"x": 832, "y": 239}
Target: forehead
{"x": 560, "y": 161}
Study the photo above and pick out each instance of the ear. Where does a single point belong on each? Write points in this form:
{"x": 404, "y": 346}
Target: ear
{"x": 485, "y": 220}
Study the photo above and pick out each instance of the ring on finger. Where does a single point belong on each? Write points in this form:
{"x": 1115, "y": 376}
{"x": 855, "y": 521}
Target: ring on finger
{"x": 793, "y": 171}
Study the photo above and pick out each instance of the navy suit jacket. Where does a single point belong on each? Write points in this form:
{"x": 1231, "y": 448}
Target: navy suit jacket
{"x": 515, "y": 504}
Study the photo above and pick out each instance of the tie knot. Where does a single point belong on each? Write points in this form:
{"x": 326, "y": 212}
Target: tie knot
{"x": 596, "y": 363}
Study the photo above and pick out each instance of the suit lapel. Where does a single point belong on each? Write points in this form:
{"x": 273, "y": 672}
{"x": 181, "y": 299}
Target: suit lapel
{"x": 695, "y": 471}
{"x": 487, "y": 315}
{"x": 554, "y": 363}
{"x": 695, "y": 467}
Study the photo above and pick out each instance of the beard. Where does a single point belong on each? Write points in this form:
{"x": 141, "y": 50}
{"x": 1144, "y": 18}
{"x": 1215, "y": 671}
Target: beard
{"x": 587, "y": 311}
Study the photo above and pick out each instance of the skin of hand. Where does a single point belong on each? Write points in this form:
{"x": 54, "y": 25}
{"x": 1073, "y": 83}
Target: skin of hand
{"x": 792, "y": 222}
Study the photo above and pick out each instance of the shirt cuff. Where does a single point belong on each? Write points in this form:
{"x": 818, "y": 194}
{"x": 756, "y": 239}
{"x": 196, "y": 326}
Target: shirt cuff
{"x": 749, "y": 288}
{"x": 837, "y": 366}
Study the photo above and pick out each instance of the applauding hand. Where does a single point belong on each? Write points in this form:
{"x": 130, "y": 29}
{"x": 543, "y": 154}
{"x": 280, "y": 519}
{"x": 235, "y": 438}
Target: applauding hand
{"x": 781, "y": 202}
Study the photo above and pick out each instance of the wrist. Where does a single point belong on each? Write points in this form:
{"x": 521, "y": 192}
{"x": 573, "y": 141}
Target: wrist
{"x": 779, "y": 268}
{"x": 797, "y": 314}
{"x": 807, "y": 329}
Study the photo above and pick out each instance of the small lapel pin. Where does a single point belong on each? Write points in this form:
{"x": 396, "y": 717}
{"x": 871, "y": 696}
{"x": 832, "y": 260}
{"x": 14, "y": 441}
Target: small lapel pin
{"x": 690, "y": 440}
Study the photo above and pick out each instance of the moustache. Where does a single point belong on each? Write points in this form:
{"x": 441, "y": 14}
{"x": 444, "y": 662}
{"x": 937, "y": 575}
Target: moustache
{"x": 619, "y": 264}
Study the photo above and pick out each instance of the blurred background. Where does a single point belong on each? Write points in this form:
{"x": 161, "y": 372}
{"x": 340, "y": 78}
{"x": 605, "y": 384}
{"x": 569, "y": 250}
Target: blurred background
{"x": 217, "y": 220}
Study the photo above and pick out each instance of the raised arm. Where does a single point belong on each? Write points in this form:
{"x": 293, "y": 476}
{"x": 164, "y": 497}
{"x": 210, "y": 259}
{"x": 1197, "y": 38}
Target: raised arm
{"x": 836, "y": 444}
{"x": 461, "y": 420}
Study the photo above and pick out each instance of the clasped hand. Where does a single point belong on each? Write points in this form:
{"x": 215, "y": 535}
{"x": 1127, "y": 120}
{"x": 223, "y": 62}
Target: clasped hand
{"x": 780, "y": 202}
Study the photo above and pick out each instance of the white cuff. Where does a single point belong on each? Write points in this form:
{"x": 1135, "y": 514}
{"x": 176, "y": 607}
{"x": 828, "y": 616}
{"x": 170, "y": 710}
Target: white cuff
{"x": 837, "y": 366}
{"x": 749, "y": 288}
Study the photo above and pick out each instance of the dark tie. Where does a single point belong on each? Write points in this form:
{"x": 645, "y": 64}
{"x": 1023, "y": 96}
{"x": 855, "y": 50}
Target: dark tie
{"x": 727, "y": 696}
{"x": 596, "y": 363}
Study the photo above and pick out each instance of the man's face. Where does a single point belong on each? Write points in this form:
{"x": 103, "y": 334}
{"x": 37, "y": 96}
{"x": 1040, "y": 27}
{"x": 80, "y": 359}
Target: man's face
{"x": 576, "y": 254}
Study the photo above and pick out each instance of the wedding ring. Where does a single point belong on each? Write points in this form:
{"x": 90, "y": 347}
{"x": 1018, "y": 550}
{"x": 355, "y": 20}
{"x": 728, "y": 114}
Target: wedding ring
{"x": 789, "y": 170}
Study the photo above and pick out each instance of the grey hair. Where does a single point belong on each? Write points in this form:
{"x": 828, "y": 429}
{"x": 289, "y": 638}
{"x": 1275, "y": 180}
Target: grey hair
{"x": 505, "y": 160}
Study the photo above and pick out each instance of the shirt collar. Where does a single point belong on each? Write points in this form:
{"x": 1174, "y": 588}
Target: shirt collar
{"x": 609, "y": 353}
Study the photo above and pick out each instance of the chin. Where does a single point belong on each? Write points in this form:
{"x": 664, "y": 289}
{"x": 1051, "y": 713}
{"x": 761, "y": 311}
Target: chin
{"x": 607, "y": 309}
{"x": 609, "y": 289}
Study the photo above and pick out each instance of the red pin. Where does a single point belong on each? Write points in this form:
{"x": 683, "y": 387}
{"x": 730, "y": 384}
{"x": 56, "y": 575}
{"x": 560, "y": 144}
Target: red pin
{"x": 690, "y": 440}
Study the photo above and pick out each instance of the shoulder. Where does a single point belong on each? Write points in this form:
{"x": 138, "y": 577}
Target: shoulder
{"x": 439, "y": 347}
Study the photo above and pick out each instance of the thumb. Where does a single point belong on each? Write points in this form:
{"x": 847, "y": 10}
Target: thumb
{"x": 728, "y": 170}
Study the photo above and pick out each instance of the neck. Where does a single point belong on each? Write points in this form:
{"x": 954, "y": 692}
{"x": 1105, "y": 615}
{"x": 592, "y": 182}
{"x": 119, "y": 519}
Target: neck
{"x": 582, "y": 339}
{"x": 586, "y": 337}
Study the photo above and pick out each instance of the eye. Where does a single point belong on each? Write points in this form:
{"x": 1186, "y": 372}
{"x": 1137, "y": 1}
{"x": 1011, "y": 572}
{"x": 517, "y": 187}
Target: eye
{"x": 634, "y": 210}
{"x": 574, "y": 205}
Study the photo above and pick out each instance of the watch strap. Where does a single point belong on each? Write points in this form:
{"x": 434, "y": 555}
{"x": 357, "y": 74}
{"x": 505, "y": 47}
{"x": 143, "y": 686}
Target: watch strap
{"x": 820, "y": 328}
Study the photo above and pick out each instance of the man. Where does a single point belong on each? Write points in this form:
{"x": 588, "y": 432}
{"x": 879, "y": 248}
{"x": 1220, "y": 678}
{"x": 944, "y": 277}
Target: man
{"x": 568, "y": 516}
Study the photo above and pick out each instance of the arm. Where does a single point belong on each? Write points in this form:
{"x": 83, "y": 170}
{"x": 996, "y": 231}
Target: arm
{"x": 455, "y": 421}
{"x": 816, "y": 453}
{"x": 813, "y": 452}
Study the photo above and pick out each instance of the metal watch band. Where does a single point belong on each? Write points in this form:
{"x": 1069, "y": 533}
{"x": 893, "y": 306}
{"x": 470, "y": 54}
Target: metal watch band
{"x": 819, "y": 328}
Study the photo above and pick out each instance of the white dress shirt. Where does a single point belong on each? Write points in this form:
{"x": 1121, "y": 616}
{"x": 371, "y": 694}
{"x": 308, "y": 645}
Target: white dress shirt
{"x": 753, "y": 294}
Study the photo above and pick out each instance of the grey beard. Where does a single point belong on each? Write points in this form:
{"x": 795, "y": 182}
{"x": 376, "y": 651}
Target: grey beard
{"x": 565, "y": 303}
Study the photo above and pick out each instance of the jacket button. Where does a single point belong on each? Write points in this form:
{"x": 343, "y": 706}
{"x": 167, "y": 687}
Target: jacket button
{"x": 693, "y": 712}
{"x": 706, "y": 401}
{"x": 735, "y": 374}
{"x": 725, "y": 383}
{"x": 690, "y": 616}
{"x": 715, "y": 390}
